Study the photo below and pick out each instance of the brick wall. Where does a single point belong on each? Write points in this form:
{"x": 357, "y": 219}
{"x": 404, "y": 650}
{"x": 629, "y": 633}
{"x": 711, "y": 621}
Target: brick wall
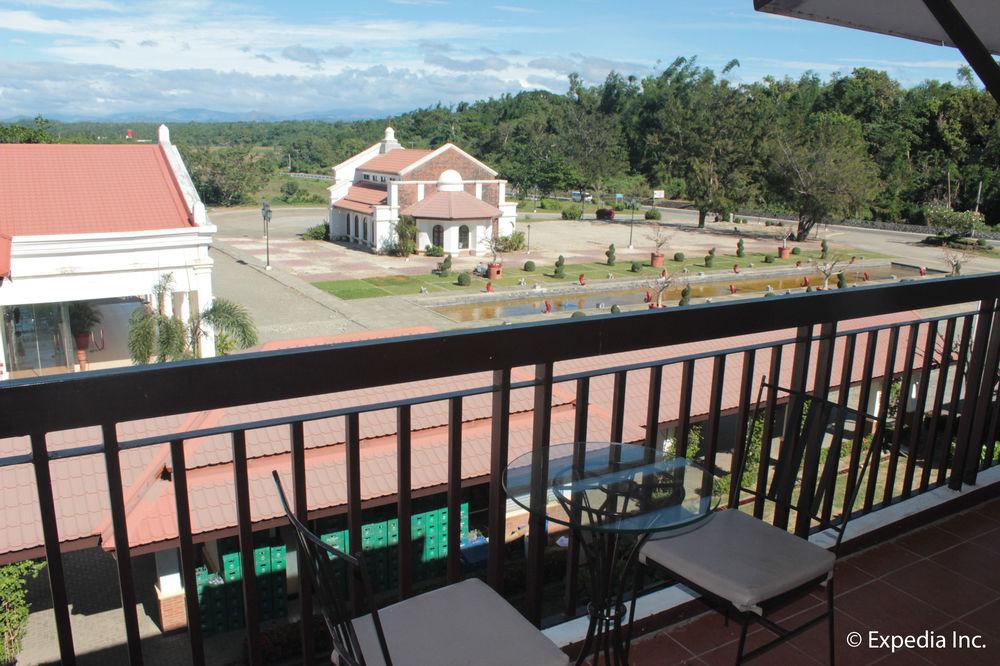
{"x": 449, "y": 159}
{"x": 173, "y": 614}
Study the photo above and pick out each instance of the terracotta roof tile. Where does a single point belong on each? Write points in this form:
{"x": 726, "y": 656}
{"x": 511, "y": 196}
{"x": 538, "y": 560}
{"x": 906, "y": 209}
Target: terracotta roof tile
{"x": 452, "y": 206}
{"x": 395, "y": 160}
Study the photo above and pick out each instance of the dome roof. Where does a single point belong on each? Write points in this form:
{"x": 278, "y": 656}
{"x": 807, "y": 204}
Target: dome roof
{"x": 450, "y": 181}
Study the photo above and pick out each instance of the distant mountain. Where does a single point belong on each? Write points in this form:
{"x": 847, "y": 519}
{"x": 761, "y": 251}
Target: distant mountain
{"x": 209, "y": 116}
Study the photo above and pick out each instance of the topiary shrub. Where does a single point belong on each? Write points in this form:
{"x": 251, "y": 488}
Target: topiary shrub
{"x": 434, "y": 251}
{"x": 709, "y": 260}
{"x": 610, "y": 254}
{"x": 768, "y": 258}
{"x": 615, "y": 309}
{"x": 444, "y": 268}
{"x": 796, "y": 250}
{"x": 572, "y": 212}
{"x": 560, "y": 267}
{"x": 636, "y": 267}
{"x": 841, "y": 280}
{"x": 711, "y": 252}
{"x": 685, "y": 295}
{"x": 605, "y": 214}
{"x": 678, "y": 256}
{"x": 529, "y": 266}
{"x": 577, "y": 314}
{"x": 653, "y": 214}
{"x": 464, "y": 279}
{"x": 981, "y": 242}
{"x": 824, "y": 249}
{"x": 740, "y": 250}
{"x": 319, "y": 232}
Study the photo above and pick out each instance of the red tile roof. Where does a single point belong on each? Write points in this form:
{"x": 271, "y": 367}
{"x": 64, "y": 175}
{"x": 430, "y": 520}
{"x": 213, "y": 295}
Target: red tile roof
{"x": 361, "y": 197}
{"x": 394, "y": 161}
{"x": 452, "y": 206}
{"x": 83, "y": 189}
{"x": 80, "y": 488}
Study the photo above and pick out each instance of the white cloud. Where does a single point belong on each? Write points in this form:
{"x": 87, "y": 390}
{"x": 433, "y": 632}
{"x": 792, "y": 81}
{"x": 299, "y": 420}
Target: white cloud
{"x": 88, "y": 5}
{"x": 515, "y": 9}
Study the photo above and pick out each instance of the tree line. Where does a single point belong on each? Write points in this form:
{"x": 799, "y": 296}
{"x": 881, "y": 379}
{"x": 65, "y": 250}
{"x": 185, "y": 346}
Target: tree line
{"x": 855, "y": 145}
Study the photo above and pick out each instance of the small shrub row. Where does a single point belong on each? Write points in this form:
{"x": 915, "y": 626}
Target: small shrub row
{"x": 464, "y": 279}
{"x": 572, "y": 212}
{"x": 678, "y": 256}
{"x": 319, "y": 232}
{"x": 529, "y": 266}
{"x": 434, "y": 251}
{"x": 653, "y": 214}
{"x": 605, "y": 214}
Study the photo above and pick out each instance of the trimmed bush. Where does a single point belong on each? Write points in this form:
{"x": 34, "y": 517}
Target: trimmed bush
{"x": 653, "y": 214}
{"x": 678, "y": 256}
{"x": 319, "y": 232}
{"x": 529, "y": 266}
{"x": 740, "y": 250}
{"x": 768, "y": 258}
{"x": 577, "y": 314}
{"x": 685, "y": 295}
{"x": 610, "y": 254}
{"x": 434, "y": 251}
{"x": 711, "y": 252}
{"x": 796, "y": 250}
{"x": 841, "y": 280}
{"x": 605, "y": 214}
{"x": 560, "y": 267}
{"x": 615, "y": 309}
{"x": 825, "y": 249}
{"x": 636, "y": 267}
{"x": 572, "y": 212}
{"x": 464, "y": 279}
{"x": 981, "y": 242}
{"x": 709, "y": 260}
{"x": 445, "y": 266}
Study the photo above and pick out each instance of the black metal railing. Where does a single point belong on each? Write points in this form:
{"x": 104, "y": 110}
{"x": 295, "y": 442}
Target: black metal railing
{"x": 953, "y": 358}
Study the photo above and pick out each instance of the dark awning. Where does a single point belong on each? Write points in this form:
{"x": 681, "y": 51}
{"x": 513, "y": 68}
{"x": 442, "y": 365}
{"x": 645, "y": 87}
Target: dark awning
{"x": 973, "y": 26}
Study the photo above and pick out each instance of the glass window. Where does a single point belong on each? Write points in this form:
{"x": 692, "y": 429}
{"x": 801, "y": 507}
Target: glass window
{"x": 463, "y": 237}
{"x": 355, "y": 226}
{"x": 364, "y": 230}
{"x": 33, "y": 340}
{"x": 437, "y": 235}
{"x": 366, "y": 176}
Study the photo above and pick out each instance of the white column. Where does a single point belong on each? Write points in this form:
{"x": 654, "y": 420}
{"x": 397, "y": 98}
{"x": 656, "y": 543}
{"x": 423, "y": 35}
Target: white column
{"x": 168, "y": 305}
{"x": 69, "y": 344}
{"x": 393, "y": 193}
{"x": 204, "y": 296}
{"x": 183, "y": 303}
{"x": 168, "y": 571}
{"x": 479, "y": 190}
{"x": 420, "y": 191}
{"x": 501, "y": 192}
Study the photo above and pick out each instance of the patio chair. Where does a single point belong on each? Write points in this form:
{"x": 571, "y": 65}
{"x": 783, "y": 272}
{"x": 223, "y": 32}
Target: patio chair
{"x": 746, "y": 567}
{"x": 464, "y": 623}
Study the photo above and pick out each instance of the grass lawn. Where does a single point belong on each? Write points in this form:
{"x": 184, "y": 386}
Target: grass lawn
{"x": 403, "y": 285}
{"x": 312, "y": 192}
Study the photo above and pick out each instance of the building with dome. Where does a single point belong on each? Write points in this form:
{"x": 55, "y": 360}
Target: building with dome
{"x": 457, "y": 202}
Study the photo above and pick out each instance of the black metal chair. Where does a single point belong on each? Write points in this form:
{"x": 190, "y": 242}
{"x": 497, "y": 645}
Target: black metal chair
{"x": 746, "y": 567}
{"x": 461, "y": 624}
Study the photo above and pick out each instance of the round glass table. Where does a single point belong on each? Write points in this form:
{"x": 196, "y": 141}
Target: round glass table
{"x": 612, "y": 498}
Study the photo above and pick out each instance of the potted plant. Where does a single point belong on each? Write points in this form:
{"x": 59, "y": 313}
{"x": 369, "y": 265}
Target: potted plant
{"x": 496, "y": 245}
{"x": 783, "y": 250}
{"x": 660, "y": 241}
{"x": 82, "y": 318}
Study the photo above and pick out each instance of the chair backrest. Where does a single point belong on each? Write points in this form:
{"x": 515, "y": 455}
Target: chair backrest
{"x": 323, "y": 563}
{"x": 792, "y": 455}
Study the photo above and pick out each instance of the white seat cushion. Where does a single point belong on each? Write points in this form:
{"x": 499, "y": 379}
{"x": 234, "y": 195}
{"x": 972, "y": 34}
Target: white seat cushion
{"x": 739, "y": 558}
{"x": 462, "y": 624}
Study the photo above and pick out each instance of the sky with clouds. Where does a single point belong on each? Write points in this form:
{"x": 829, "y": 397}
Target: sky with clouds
{"x": 103, "y": 58}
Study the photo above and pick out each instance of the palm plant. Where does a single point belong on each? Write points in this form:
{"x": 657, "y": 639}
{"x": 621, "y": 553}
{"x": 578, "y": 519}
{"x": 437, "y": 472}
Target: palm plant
{"x": 155, "y": 335}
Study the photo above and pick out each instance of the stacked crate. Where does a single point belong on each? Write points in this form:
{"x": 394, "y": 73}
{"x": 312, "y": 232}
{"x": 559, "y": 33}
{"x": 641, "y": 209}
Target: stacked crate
{"x": 220, "y": 595}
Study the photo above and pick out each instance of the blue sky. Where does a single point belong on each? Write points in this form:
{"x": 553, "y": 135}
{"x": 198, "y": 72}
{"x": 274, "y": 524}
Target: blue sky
{"x": 100, "y": 58}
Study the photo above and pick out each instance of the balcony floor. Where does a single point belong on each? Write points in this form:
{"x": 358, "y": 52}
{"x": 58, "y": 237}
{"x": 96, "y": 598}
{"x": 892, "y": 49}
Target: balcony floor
{"x": 904, "y": 587}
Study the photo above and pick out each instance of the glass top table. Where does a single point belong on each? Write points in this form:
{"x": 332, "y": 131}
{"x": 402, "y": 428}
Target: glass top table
{"x": 612, "y": 498}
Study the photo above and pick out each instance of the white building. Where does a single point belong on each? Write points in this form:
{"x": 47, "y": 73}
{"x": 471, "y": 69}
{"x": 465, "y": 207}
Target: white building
{"x": 96, "y": 223}
{"x": 456, "y": 200}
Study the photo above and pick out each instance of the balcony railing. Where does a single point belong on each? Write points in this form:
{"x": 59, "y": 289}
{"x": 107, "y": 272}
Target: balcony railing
{"x": 943, "y": 431}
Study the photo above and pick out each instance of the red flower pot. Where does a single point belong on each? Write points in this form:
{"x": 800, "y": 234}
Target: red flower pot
{"x": 493, "y": 271}
{"x": 784, "y": 252}
{"x": 655, "y": 260}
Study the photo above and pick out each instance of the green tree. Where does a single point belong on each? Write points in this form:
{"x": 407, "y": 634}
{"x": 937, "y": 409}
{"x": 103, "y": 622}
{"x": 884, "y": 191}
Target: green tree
{"x": 825, "y": 168}
{"x": 14, "y": 606}
{"x": 37, "y": 132}
{"x": 226, "y": 176}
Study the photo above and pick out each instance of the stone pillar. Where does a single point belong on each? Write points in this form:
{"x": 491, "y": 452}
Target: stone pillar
{"x": 204, "y": 298}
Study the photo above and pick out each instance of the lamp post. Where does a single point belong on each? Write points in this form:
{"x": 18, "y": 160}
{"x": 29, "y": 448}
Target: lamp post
{"x": 265, "y": 213}
{"x": 529, "y": 239}
{"x": 631, "y": 225}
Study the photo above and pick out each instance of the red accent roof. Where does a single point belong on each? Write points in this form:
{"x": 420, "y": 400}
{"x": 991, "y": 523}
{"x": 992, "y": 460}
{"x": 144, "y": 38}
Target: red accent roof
{"x": 4, "y": 256}
{"x": 394, "y": 161}
{"x": 452, "y": 206}
{"x": 83, "y": 189}
{"x": 361, "y": 197}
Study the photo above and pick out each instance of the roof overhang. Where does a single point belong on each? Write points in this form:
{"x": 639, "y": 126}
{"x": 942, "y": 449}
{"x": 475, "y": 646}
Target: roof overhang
{"x": 972, "y": 26}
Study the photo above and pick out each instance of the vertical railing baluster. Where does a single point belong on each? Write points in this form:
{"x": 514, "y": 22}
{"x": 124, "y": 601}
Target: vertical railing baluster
{"x": 653, "y": 405}
{"x": 974, "y": 377}
{"x": 579, "y": 441}
{"x": 298, "y": 449}
{"x": 499, "y": 445}
{"x": 352, "y": 458}
{"x": 618, "y": 406}
{"x": 454, "y": 488}
{"x": 123, "y": 554}
{"x": 829, "y": 485}
{"x": 53, "y": 555}
{"x": 740, "y": 438}
{"x": 889, "y": 492}
{"x": 944, "y": 367}
{"x": 684, "y": 409}
{"x": 541, "y": 431}
{"x": 961, "y": 365}
{"x": 714, "y": 415}
{"x": 244, "y": 520}
{"x": 799, "y": 380}
{"x": 984, "y": 395}
{"x": 864, "y": 394}
{"x": 810, "y": 461}
{"x": 185, "y": 540}
{"x": 774, "y": 377}
{"x": 404, "y": 508}
{"x": 882, "y": 416}
{"x": 919, "y": 409}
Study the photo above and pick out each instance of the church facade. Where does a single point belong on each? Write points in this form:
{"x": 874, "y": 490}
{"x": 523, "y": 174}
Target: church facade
{"x": 456, "y": 201}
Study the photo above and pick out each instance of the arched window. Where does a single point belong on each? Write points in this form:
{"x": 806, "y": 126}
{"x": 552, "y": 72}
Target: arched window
{"x": 364, "y": 230}
{"x": 347, "y": 218}
{"x": 355, "y": 226}
{"x": 437, "y": 235}
{"x": 463, "y": 237}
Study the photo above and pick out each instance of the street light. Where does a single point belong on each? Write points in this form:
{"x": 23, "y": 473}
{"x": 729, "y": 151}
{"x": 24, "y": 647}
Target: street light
{"x": 631, "y": 225}
{"x": 529, "y": 239}
{"x": 265, "y": 213}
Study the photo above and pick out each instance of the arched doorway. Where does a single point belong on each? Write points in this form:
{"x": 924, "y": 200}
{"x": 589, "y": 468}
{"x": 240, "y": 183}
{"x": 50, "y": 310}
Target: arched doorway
{"x": 355, "y": 226}
{"x": 364, "y": 230}
{"x": 437, "y": 235}
{"x": 463, "y": 237}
